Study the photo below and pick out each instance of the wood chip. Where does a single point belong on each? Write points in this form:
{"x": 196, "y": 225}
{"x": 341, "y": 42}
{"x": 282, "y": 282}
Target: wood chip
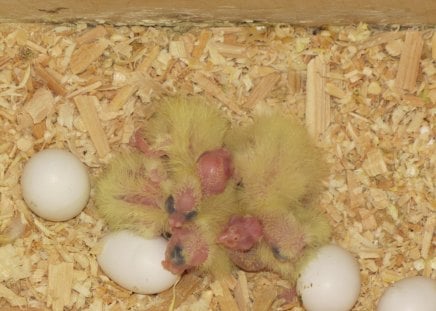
{"x": 123, "y": 94}
{"x": 335, "y": 91}
{"x": 85, "y": 89}
{"x": 38, "y": 130}
{"x": 394, "y": 47}
{"x": 433, "y": 46}
{"x": 36, "y": 47}
{"x": 151, "y": 57}
{"x": 224, "y": 297}
{"x": 317, "y": 99}
{"x": 203, "y": 39}
{"x": 242, "y": 292}
{"x": 264, "y": 298}
{"x": 88, "y": 112}
{"x": 85, "y": 55}
{"x": 408, "y": 67}
{"x": 60, "y": 281}
{"x": 429, "y": 229}
{"x": 262, "y": 89}
{"x": 374, "y": 164}
{"x": 368, "y": 220}
{"x": 4, "y": 59}
{"x": 213, "y": 89}
{"x": 177, "y": 49}
{"x": 52, "y": 83}
{"x": 295, "y": 84}
{"x": 379, "y": 39}
{"x": 374, "y": 88}
{"x": 39, "y": 105}
{"x": 230, "y": 50}
{"x": 92, "y": 35}
{"x": 185, "y": 288}
{"x": 11, "y": 297}
{"x": 355, "y": 192}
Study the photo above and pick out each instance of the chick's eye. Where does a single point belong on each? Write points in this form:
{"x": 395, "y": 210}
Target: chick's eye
{"x": 166, "y": 235}
{"x": 190, "y": 215}
{"x": 169, "y": 205}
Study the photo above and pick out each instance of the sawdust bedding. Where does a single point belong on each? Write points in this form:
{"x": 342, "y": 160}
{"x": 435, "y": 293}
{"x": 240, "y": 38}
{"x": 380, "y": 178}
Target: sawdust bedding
{"x": 367, "y": 93}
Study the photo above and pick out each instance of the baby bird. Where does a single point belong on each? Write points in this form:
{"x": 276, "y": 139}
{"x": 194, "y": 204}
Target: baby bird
{"x": 189, "y": 134}
{"x": 131, "y": 194}
{"x": 280, "y": 172}
{"x": 194, "y": 244}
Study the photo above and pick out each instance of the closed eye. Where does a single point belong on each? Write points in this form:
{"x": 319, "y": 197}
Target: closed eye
{"x": 190, "y": 215}
{"x": 169, "y": 205}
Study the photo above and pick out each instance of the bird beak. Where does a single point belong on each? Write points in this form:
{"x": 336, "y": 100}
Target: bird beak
{"x": 176, "y": 220}
{"x": 174, "y": 261}
{"x": 168, "y": 265}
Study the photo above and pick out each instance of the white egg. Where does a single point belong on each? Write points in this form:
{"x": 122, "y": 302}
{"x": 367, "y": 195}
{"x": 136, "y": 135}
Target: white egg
{"x": 415, "y": 293}
{"x": 55, "y": 184}
{"x": 330, "y": 281}
{"x": 135, "y": 263}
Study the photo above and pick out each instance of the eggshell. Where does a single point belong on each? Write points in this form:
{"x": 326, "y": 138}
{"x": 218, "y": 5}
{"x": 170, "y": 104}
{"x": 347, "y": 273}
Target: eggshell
{"x": 55, "y": 184}
{"x": 330, "y": 281}
{"x": 135, "y": 263}
{"x": 415, "y": 293}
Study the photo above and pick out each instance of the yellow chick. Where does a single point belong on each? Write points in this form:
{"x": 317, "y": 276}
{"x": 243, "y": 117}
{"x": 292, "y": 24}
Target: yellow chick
{"x": 280, "y": 172}
{"x": 189, "y": 133}
{"x": 132, "y": 194}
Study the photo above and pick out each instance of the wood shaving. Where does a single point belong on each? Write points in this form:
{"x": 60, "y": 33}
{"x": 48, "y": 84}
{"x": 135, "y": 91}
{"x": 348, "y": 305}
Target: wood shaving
{"x": 367, "y": 93}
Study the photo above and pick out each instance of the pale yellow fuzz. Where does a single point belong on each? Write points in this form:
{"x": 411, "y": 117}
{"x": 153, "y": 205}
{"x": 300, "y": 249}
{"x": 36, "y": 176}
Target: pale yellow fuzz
{"x": 190, "y": 126}
{"x": 126, "y": 175}
{"x": 184, "y": 128}
{"x": 281, "y": 172}
{"x": 215, "y": 213}
{"x": 277, "y": 160}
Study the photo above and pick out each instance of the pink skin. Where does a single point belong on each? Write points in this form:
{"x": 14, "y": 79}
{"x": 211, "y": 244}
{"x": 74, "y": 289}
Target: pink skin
{"x": 150, "y": 195}
{"x": 214, "y": 168}
{"x": 185, "y": 250}
{"x": 138, "y": 142}
{"x": 185, "y": 202}
{"x": 241, "y": 233}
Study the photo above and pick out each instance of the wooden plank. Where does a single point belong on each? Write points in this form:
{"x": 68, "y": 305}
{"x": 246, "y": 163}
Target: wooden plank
{"x": 408, "y": 67}
{"x": 317, "y": 99}
{"x": 165, "y": 11}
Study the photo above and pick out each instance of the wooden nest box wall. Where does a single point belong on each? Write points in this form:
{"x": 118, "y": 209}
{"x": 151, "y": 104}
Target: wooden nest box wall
{"x": 289, "y": 11}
